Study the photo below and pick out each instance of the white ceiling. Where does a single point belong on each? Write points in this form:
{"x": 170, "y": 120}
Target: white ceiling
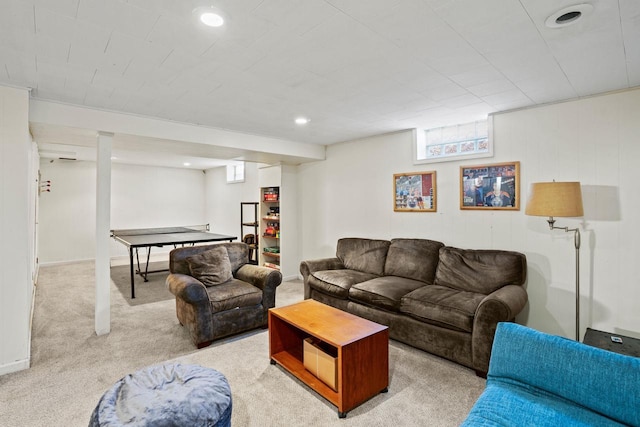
{"x": 355, "y": 67}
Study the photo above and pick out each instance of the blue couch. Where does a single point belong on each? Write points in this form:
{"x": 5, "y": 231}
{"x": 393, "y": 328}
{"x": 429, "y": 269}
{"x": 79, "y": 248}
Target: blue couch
{"x": 536, "y": 379}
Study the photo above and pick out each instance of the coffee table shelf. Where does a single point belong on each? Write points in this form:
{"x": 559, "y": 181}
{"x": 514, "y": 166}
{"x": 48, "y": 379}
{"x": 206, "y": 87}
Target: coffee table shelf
{"x": 362, "y": 348}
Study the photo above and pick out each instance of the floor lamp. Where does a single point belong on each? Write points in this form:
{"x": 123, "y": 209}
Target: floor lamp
{"x": 563, "y": 199}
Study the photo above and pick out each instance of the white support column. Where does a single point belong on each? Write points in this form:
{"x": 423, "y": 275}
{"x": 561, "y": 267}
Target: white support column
{"x": 103, "y": 222}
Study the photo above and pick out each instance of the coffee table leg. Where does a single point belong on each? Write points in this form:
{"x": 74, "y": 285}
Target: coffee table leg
{"x": 342, "y": 414}
{"x": 385, "y": 390}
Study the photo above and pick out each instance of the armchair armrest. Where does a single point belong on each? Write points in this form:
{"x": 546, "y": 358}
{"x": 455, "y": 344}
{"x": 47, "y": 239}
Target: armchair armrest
{"x": 193, "y": 307}
{"x": 187, "y": 288}
{"x": 310, "y": 266}
{"x": 500, "y": 306}
{"x": 266, "y": 279}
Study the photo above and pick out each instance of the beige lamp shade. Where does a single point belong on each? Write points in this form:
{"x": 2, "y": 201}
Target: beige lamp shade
{"x": 555, "y": 199}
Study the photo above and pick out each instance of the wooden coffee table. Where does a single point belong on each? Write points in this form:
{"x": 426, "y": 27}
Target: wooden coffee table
{"x": 362, "y": 350}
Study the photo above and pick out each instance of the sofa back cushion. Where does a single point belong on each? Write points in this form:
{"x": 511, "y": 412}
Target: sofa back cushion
{"x": 238, "y": 256}
{"x": 211, "y": 267}
{"x": 415, "y": 259}
{"x": 366, "y": 255}
{"x": 482, "y": 271}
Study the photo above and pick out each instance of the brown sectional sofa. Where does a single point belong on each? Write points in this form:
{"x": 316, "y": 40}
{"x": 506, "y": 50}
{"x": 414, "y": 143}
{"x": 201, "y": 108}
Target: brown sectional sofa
{"x": 444, "y": 300}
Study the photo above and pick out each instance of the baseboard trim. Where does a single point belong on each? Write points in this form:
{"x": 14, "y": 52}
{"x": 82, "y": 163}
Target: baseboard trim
{"x": 16, "y": 366}
{"x": 117, "y": 260}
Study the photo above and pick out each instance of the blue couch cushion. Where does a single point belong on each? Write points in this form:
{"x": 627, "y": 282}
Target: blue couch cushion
{"x": 514, "y": 405}
{"x": 542, "y": 377}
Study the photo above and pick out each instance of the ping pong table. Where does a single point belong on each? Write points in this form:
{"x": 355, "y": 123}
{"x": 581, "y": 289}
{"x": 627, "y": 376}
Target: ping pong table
{"x": 136, "y": 238}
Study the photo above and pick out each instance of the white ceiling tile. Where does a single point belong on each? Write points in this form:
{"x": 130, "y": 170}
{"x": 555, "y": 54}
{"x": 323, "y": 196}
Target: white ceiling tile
{"x": 491, "y": 87}
{"x": 477, "y": 76}
{"x": 121, "y": 50}
{"x": 75, "y": 91}
{"x": 365, "y": 11}
{"x": 461, "y": 101}
{"x": 358, "y": 67}
{"x": 20, "y": 69}
{"x": 296, "y": 18}
{"x": 17, "y": 25}
{"x": 444, "y": 91}
{"x": 511, "y": 97}
{"x": 63, "y": 7}
{"x": 54, "y": 24}
{"x": 120, "y": 16}
{"x": 97, "y": 96}
{"x": 51, "y": 49}
{"x": 49, "y": 79}
{"x": 118, "y": 100}
{"x": 180, "y": 34}
{"x": 107, "y": 79}
{"x": 89, "y": 35}
{"x": 85, "y": 57}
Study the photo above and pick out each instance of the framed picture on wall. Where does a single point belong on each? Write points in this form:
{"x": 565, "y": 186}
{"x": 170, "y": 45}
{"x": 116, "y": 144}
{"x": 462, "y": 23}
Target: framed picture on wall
{"x": 494, "y": 186}
{"x": 414, "y": 192}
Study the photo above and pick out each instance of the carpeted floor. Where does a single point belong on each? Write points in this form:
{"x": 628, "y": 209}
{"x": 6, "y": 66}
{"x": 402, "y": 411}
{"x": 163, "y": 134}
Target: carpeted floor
{"x": 72, "y": 367}
{"x": 146, "y": 292}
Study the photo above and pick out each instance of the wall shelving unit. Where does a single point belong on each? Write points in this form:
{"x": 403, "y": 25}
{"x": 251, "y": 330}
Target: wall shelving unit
{"x": 249, "y": 226}
{"x": 270, "y": 227}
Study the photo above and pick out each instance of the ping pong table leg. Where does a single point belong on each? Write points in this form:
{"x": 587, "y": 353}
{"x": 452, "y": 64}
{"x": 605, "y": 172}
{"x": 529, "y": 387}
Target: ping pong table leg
{"x": 133, "y": 292}
{"x": 146, "y": 267}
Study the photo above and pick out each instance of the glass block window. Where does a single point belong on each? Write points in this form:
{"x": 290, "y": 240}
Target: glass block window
{"x": 447, "y": 143}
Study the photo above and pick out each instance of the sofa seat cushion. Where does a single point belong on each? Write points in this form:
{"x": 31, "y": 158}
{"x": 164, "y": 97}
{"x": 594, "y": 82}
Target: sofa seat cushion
{"x": 415, "y": 259}
{"x": 443, "y": 306}
{"x": 337, "y": 282}
{"x": 501, "y": 403}
{"x": 233, "y": 294}
{"x": 366, "y": 255}
{"x": 383, "y": 292}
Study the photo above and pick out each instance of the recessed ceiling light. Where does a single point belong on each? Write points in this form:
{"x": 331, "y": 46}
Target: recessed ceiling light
{"x": 113, "y": 157}
{"x": 209, "y": 16}
{"x": 302, "y": 121}
{"x": 186, "y": 164}
{"x": 211, "y": 19}
{"x": 568, "y": 15}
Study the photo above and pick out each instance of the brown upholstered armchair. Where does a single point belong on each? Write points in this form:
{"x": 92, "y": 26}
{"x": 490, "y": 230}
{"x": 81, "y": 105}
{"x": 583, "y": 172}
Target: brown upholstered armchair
{"x": 218, "y": 293}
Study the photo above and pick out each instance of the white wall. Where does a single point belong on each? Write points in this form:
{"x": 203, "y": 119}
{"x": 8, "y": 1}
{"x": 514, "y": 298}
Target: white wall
{"x": 593, "y": 140}
{"x": 16, "y": 230}
{"x": 223, "y": 200}
{"x": 141, "y": 197}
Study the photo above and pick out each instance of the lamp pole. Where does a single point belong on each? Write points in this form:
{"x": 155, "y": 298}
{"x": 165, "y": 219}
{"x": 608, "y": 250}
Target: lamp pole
{"x": 576, "y": 243}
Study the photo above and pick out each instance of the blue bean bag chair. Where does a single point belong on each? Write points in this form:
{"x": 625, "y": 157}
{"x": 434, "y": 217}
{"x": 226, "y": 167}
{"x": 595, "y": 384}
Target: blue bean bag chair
{"x": 167, "y": 395}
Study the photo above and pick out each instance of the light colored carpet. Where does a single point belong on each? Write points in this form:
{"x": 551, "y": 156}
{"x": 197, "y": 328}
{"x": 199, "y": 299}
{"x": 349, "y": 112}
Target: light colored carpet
{"x": 72, "y": 367}
{"x": 146, "y": 292}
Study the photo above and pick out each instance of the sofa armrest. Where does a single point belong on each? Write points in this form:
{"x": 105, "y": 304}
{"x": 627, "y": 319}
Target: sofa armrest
{"x": 500, "y": 306}
{"x": 187, "y": 288}
{"x": 266, "y": 279}
{"x": 310, "y": 266}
